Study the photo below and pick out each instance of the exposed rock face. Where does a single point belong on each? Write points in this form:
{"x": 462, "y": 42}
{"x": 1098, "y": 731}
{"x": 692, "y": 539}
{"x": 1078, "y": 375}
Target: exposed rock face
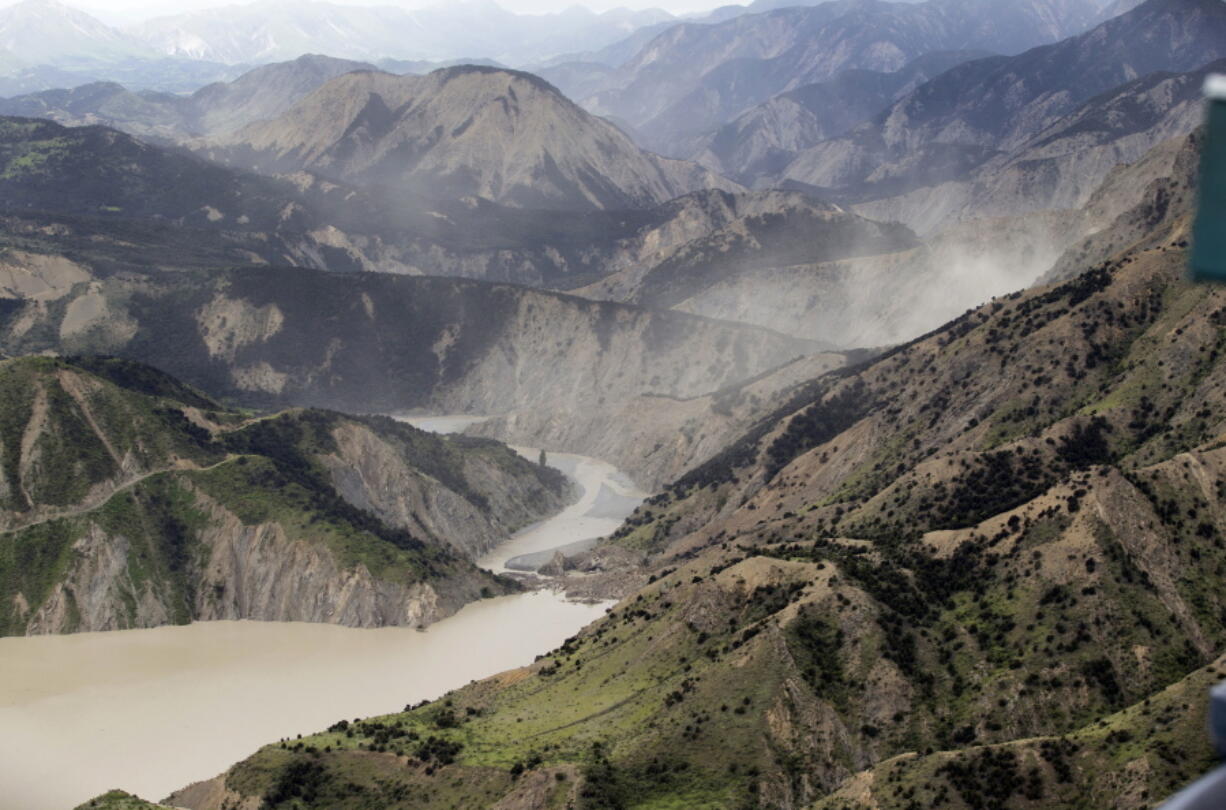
{"x": 454, "y": 345}
{"x": 256, "y": 572}
{"x": 556, "y": 566}
{"x": 655, "y": 439}
{"x": 131, "y": 501}
{"x": 887, "y": 288}
{"x": 92, "y": 594}
{"x": 259, "y": 572}
{"x": 616, "y": 353}
{"x": 893, "y": 297}
{"x": 375, "y": 475}
{"x": 505, "y": 136}
{"x": 713, "y": 238}
{"x": 1133, "y": 202}
{"x": 1062, "y": 166}
{"x": 25, "y": 275}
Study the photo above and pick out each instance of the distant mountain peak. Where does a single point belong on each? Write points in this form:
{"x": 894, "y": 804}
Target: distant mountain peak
{"x": 467, "y": 130}
{"x": 48, "y": 31}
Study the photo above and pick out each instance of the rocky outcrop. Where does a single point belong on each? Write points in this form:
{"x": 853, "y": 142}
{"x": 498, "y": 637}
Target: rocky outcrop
{"x": 97, "y": 592}
{"x": 655, "y": 439}
{"x": 260, "y": 572}
{"x": 374, "y": 475}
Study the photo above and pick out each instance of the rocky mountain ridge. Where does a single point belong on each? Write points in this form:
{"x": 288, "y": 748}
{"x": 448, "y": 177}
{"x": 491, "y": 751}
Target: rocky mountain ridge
{"x": 890, "y": 293}
{"x": 272, "y": 31}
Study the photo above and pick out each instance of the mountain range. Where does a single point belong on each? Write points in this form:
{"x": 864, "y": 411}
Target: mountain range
{"x": 989, "y": 110}
{"x": 50, "y": 33}
{"x": 40, "y": 32}
{"x": 900, "y": 339}
{"x": 765, "y": 139}
{"x": 256, "y": 95}
{"x": 272, "y": 30}
{"x": 693, "y": 78}
{"x": 953, "y": 574}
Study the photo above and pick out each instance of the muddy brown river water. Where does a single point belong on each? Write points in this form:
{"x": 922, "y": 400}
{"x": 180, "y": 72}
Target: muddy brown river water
{"x": 153, "y": 710}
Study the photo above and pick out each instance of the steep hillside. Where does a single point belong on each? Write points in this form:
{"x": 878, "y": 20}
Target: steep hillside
{"x": 1161, "y": 743}
{"x": 94, "y": 191}
{"x": 694, "y": 78}
{"x": 112, "y": 200}
{"x": 130, "y": 500}
{"x": 655, "y": 439}
{"x": 764, "y": 140}
{"x": 1031, "y": 123}
{"x": 1010, "y": 530}
{"x": 886, "y": 291}
{"x": 502, "y": 135}
{"x": 1062, "y": 166}
{"x": 305, "y": 337}
{"x": 1133, "y": 203}
{"x": 263, "y": 93}
{"x": 901, "y": 551}
{"x": 95, "y": 170}
{"x": 743, "y": 233}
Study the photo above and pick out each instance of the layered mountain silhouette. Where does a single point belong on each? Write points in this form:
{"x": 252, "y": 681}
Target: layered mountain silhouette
{"x": 259, "y": 94}
{"x": 991, "y": 109}
{"x": 271, "y": 30}
{"x": 763, "y": 141}
{"x": 693, "y": 78}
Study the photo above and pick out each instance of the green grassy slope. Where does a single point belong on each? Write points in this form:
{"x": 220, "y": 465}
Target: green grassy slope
{"x": 119, "y": 800}
{"x": 1003, "y": 535}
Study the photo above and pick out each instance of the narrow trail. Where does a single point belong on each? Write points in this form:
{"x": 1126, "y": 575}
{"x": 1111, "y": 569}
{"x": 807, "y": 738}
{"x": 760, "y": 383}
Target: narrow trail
{"x": 87, "y": 508}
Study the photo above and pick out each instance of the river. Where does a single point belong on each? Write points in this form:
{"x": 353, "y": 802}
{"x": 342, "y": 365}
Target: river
{"x": 153, "y": 710}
